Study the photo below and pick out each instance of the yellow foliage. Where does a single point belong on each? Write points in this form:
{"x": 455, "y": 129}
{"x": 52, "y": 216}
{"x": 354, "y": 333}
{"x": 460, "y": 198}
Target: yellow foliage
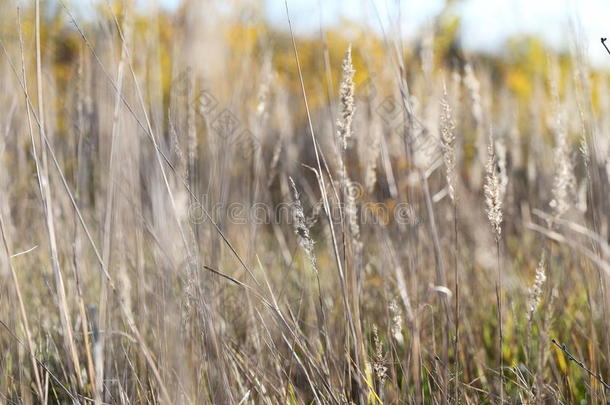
{"x": 519, "y": 83}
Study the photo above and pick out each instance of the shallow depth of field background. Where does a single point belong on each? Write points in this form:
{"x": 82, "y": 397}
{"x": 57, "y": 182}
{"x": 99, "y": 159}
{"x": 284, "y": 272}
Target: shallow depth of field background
{"x": 412, "y": 208}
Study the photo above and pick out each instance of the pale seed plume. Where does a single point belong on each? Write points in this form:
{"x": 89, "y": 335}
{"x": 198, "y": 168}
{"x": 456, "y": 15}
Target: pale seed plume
{"x": 346, "y": 99}
{"x": 535, "y": 292}
{"x": 300, "y": 228}
{"x": 447, "y": 127}
{"x": 493, "y": 191}
{"x": 564, "y": 181}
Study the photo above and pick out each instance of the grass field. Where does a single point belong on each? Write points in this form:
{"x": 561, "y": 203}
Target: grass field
{"x": 199, "y": 208}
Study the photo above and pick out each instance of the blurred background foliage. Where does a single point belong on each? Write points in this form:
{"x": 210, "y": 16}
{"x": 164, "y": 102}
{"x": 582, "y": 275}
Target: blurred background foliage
{"x": 518, "y": 63}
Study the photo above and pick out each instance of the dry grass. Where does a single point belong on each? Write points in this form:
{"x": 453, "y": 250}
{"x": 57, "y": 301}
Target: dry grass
{"x": 192, "y": 213}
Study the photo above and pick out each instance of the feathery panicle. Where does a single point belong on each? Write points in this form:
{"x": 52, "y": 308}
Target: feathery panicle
{"x": 378, "y": 362}
{"x": 535, "y": 292}
{"x": 396, "y": 327}
{"x": 447, "y": 127}
{"x": 564, "y": 182}
{"x": 493, "y": 191}
{"x": 346, "y": 95}
{"x": 300, "y": 228}
{"x": 500, "y": 149}
{"x": 351, "y": 212}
